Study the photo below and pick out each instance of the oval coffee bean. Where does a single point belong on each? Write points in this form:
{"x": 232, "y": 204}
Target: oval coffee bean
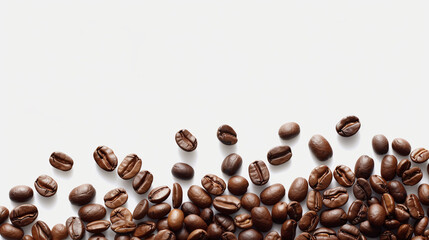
{"x": 348, "y": 126}
{"x": 320, "y": 177}
{"x": 401, "y": 146}
{"x": 177, "y": 195}
{"x": 243, "y": 221}
{"x": 4, "y": 214}
{"x": 231, "y": 164}
{"x": 348, "y": 231}
{"x": 75, "y": 228}
{"x": 288, "y": 229}
{"x": 41, "y": 231}
{"x": 199, "y": 196}
{"x": 376, "y": 215}
{"x": 159, "y": 210}
{"x": 82, "y": 194}
{"x": 294, "y": 210}
{"x": 279, "y": 155}
{"x": 213, "y": 184}
{"x": 309, "y": 221}
{"x": 279, "y": 212}
{"x": 182, "y": 171}
{"x": 227, "y": 204}
{"x": 129, "y": 167}
{"x": 159, "y": 194}
{"x": 92, "y": 212}
{"x": 228, "y": 236}
{"x": 238, "y": 185}
{"x": 388, "y": 167}
{"x": 325, "y": 233}
{"x": 249, "y": 201}
{"x": 105, "y": 158}
{"x": 259, "y": 173}
{"x": 420, "y": 226}
{"x": 20, "y": 193}
{"x": 207, "y": 215}
{"x": 405, "y": 231}
{"x": 298, "y": 190}
{"x": 335, "y": 197}
{"x": 320, "y": 147}
{"x": 368, "y": 230}
{"x": 423, "y": 193}
{"x": 190, "y": 208}
{"x": 198, "y": 234}
{"x": 46, "y": 186}
{"x": 364, "y": 167}
{"x": 120, "y": 213}
{"x": 344, "y": 176}
{"x": 142, "y": 182}
{"x": 61, "y": 161}
{"x": 227, "y": 135}
{"x": 362, "y": 189}
{"x": 388, "y": 204}
{"x": 333, "y": 217}
{"x": 403, "y": 166}
{"x": 98, "y": 226}
{"x": 415, "y": 208}
{"x": 419, "y": 155}
{"x": 141, "y": 209}
{"x": 314, "y": 201}
{"x": 23, "y": 215}
{"x": 302, "y": 236}
{"x": 380, "y": 144}
{"x": 225, "y": 222}
{"x": 8, "y": 231}
{"x": 59, "y": 232}
{"x": 412, "y": 176}
{"x": 250, "y": 234}
{"x": 175, "y": 219}
{"x": 261, "y": 218}
{"x": 214, "y": 231}
{"x": 397, "y": 190}
{"x": 193, "y": 222}
{"x": 378, "y": 184}
{"x": 357, "y": 212}
{"x": 186, "y": 141}
{"x": 289, "y": 130}
{"x": 123, "y": 226}
{"x": 144, "y": 229}
{"x": 273, "y": 194}
{"x": 115, "y": 198}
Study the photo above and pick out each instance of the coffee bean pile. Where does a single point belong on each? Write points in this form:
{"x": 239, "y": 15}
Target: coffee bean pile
{"x": 382, "y": 208}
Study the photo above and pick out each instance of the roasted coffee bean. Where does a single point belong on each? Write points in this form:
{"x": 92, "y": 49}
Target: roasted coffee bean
{"x": 207, "y": 215}
{"x": 225, "y": 222}
{"x": 261, "y": 218}
{"x": 294, "y": 210}
{"x": 362, "y": 189}
{"x": 20, "y": 193}
{"x": 358, "y": 212}
{"x": 378, "y": 184}
{"x": 231, "y": 164}
{"x": 259, "y": 173}
{"x": 193, "y": 222}
{"x": 144, "y": 229}
{"x": 423, "y": 193}
{"x": 227, "y": 204}
{"x": 364, "y": 167}
{"x": 289, "y": 130}
{"x": 401, "y": 213}
{"x": 115, "y": 198}
{"x": 373, "y": 200}
{"x": 403, "y": 166}
{"x": 414, "y": 207}
{"x": 100, "y": 236}
{"x": 140, "y": 211}
{"x": 273, "y": 235}
{"x": 227, "y": 135}
{"x": 249, "y": 201}
{"x": 279, "y": 212}
{"x": 288, "y": 229}
{"x": 401, "y": 146}
{"x": 105, "y": 158}
{"x": 419, "y": 155}
{"x": 320, "y": 147}
{"x": 335, "y": 197}
{"x": 59, "y": 232}
{"x": 333, "y": 217}
{"x": 320, "y": 177}
{"x": 183, "y": 234}
{"x": 8, "y": 231}
{"x": 274, "y": 193}
{"x": 199, "y": 196}
{"x": 376, "y": 215}
{"x": 130, "y": 166}
{"x": 243, "y": 221}
{"x": 309, "y": 221}
{"x": 228, "y": 236}
{"x": 175, "y": 219}
{"x": 182, "y": 171}
{"x": 405, "y": 232}
{"x": 198, "y": 234}
{"x": 298, "y": 190}
{"x": 238, "y": 185}
{"x": 123, "y": 226}
{"x": 302, "y": 236}
{"x": 369, "y": 230}
{"x": 186, "y": 141}
{"x": 177, "y": 195}
{"x": 82, "y": 194}
{"x": 41, "y": 231}
{"x": 279, "y": 155}
{"x": 213, "y": 184}
{"x": 165, "y": 235}
{"x": 61, "y": 161}
{"x": 159, "y": 194}
{"x": 75, "y": 228}
{"x": 388, "y": 167}
{"x": 387, "y": 235}
{"x": 380, "y": 144}
{"x": 4, "y": 214}
{"x": 388, "y": 204}
{"x": 348, "y": 126}
{"x": 98, "y": 226}
{"x": 46, "y": 186}
{"x": 250, "y": 234}
{"x": 120, "y": 213}
{"x": 349, "y": 232}
{"x": 142, "y": 182}
{"x": 325, "y": 234}
{"x": 314, "y": 201}
{"x": 397, "y": 190}
{"x": 92, "y": 212}
{"x": 420, "y": 226}
{"x": 190, "y": 208}
{"x": 23, "y": 215}
{"x": 412, "y": 176}
{"x": 391, "y": 224}
{"x": 162, "y": 224}
{"x": 344, "y": 176}
{"x": 159, "y": 210}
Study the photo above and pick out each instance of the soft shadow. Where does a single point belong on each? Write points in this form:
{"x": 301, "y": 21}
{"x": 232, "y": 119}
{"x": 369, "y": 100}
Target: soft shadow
{"x": 31, "y": 201}
{"x": 349, "y": 142}
{"x": 64, "y": 174}
{"x": 109, "y": 176}
{"x": 318, "y": 162}
{"x": 227, "y": 149}
{"x": 47, "y": 202}
{"x": 188, "y": 157}
{"x": 292, "y": 141}
{"x": 281, "y": 168}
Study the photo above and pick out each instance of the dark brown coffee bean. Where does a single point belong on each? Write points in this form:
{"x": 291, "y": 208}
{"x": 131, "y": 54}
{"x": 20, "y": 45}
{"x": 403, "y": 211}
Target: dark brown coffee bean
{"x": 362, "y": 189}
{"x": 175, "y": 219}
{"x": 423, "y": 193}
{"x": 401, "y": 213}
{"x": 59, "y": 232}
{"x": 231, "y": 164}
{"x": 380, "y": 144}
{"x": 261, "y": 218}
{"x": 357, "y": 212}
{"x": 364, "y": 167}
{"x": 420, "y": 226}
{"x": 140, "y": 211}
{"x": 279, "y": 155}
{"x": 344, "y": 176}
{"x": 349, "y": 232}
{"x": 320, "y": 147}
{"x": 250, "y": 234}
{"x": 415, "y": 208}
{"x": 249, "y": 201}
{"x": 207, "y": 215}
{"x": 387, "y": 235}
{"x": 214, "y": 231}
{"x": 142, "y": 182}
{"x": 391, "y": 224}
{"x": 182, "y": 171}
{"x": 388, "y": 204}
{"x": 369, "y": 230}
{"x": 412, "y": 176}
{"x": 274, "y": 193}
{"x": 46, "y": 186}
{"x": 193, "y": 222}
{"x": 120, "y": 213}
{"x": 228, "y": 236}
{"x": 314, "y": 201}
{"x": 198, "y": 234}
{"x": 225, "y": 222}
{"x": 213, "y": 184}
{"x": 123, "y": 226}
{"x": 302, "y": 236}
{"x": 376, "y": 215}
{"x": 186, "y": 141}
{"x": 333, "y": 217}
{"x": 144, "y": 229}
{"x": 41, "y": 231}
{"x": 243, "y": 221}
{"x": 405, "y": 232}
{"x": 23, "y": 215}
{"x": 130, "y": 166}
{"x": 288, "y": 229}
{"x": 294, "y": 210}
{"x": 100, "y": 236}
{"x": 279, "y": 212}
{"x": 82, "y": 194}
{"x": 177, "y": 195}
{"x": 98, "y": 226}
{"x": 373, "y": 200}
{"x": 419, "y": 155}
{"x": 298, "y": 189}
{"x": 8, "y": 231}
{"x": 401, "y": 146}
{"x": 4, "y": 214}
{"x": 320, "y": 177}
{"x": 289, "y": 130}
{"x": 227, "y": 135}
{"x": 165, "y": 235}
{"x": 61, "y": 161}
{"x": 162, "y": 224}
{"x": 259, "y": 173}
{"x": 92, "y": 212}
{"x": 378, "y": 184}
{"x": 183, "y": 234}
{"x": 190, "y": 208}
{"x": 335, "y": 197}
{"x": 348, "y": 126}
{"x": 159, "y": 210}
{"x": 388, "y": 167}
{"x": 325, "y": 234}
{"x": 397, "y": 190}
{"x": 75, "y": 228}
{"x": 309, "y": 221}
{"x": 105, "y": 158}
{"x": 20, "y": 193}
{"x": 227, "y": 204}
{"x": 159, "y": 194}
{"x": 273, "y": 235}
{"x": 199, "y": 197}
{"x": 403, "y": 166}
{"x": 238, "y": 185}
{"x": 115, "y": 198}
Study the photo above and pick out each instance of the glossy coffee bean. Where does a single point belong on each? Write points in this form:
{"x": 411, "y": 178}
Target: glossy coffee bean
{"x": 274, "y": 193}
{"x": 115, "y": 198}
{"x": 162, "y": 224}
{"x": 402, "y": 213}
{"x": 120, "y": 213}
{"x": 182, "y": 171}
{"x": 142, "y": 182}
{"x": 198, "y": 234}
{"x": 175, "y": 219}
{"x": 261, "y": 218}
{"x": 23, "y": 215}
{"x": 225, "y": 222}
{"x": 75, "y": 228}
{"x": 279, "y": 212}
{"x": 183, "y": 234}
{"x": 140, "y": 211}
{"x": 378, "y": 184}
{"x": 309, "y": 221}
{"x": 376, "y": 215}
{"x": 288, "y": 229}
{"x": 364, "y": 167}
{"x": 420, "y": 226}
{"x": 279, "y": 155}
{"x": 259, "y": 173}
{"x": 207, "y": 215}
{"x": 388, "y": 204}
{"x": 123, "y": 226}
{"x": 186, "y": 141}
{"x": 228, "y": 236}
{"x": 397, "y": 190}
{"x": 362, "y": 189}
{"x": 289, "y": 130}
{"x": 159, "y": 194}
{"x": 423, "y": 193}
{"x": 231, "y": 164}
{"x": 294, "y": 210}
{"x": 388, "y": 235}
{"x": 61, "y": 161}
{"x": 199, "y": 196}
{"x": 302, "y": 236}
{"x": 401, "y": 146}
{"x": 344, "y": 176}
{"x": 348, "y": 126}
{"x": 388, "y": 167}
{"x": 92, "y": 212}
{"x": 249, "y": 201}
{"x": 144, "y": 229}
{"x": 213, "y": 184}
{"x": 320, "y": 177}
{"x": 320, "y": 147}
{"x": 227, "y": 204}
{"x": 159, "y": 210}
{"x": 227, "y": 135}
{"x": 325, "y": 234}
{"x": 46, "y": 186}
{"x": 373, "y": 200}
{"x": 357, "y": 212}
{"x": 20, "y": 193}
{"x": 165, "y": 235}
{"x": 41, "y": 231}
{"x": 412, "y": 176}
{"x": 250, "y": 234}
{"x": 403, "y": 166}
{"x": 130, "y": 166}
{"x": 380, "y": 144}
{"x": 333, "y": 217}
{"x": 349, "y": 232}
{"x": 190, "y": 208}
{"x": 193, "y": 222}
{"x": 98, "y": 226}
{"x": 82, "y": 194}
{"x": 273, "y": 235}
{"x": 243, "y": 221}
{"x": 369, "y": 230}
{"x": 298, "y": 189}
{"x": 8, "y": 231}
{"x": 419, "y": 155}
{"x": 414, "y": 207}
{"x": 314, "y": 201}
{"x": 335, "y": 197}
{"x": 59, "y": 232}
{"x": 177, "y": 195}
{"x": 4, "y": 214}
{"x": 405, "y": 232}
{"x": 105, "y": 158}
{"x": 237, "y": 185}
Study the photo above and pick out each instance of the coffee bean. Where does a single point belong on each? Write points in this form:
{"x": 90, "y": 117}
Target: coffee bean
{"x": 20, "y": 193}
{"x": 59, "y": 232}
{"x": 403, "y": 166}
{"x": 378, "y": 184}
{"x": 302, "y": 236}
{"x": 186, "y": 141}
{"x": 259, "y": 173}
{"x": 289, "y": 130}
{"x": 214, "y": 231}
{"x": 320, "y": 147}
{"x": 4, "y": 214}
{"x": 207, "y": 215}
{"x": 373, "y": 200}
{"x": 401, "y": 146}
{"x": 391, "y": 224}
{"x": 98, "y": 226}
{"x": 388, "y": 204}
{"x": 249, "y": 201}
{"x": 46, "y": 186}
{"x": 388, "y": 167}
{"x": 225, "y": 222}
{"x": 397, "y": 190}
{"x": 177, "y": 195}
{"x": 198, "y": 234}
{"x": 344, "y": 176}
{"x": 279, "y": 212}
{"x": 115, "y": 198}
{"x": 376, "y": 215}
{"x": 320, "y": 177}
{"x": 75, "y": 228}
{"x": 288, "y": 229}
{"x": 261, "y": 218}
{"x": 273, "y": 235}
{"x": 23, "y": 215}
{"x": 41, "y": 231}
{"x": 237, "y": 185}
{"x": 165, "y": 235}
{"x": 325, "y": 234}
{"x": 419, "y": 155}
{"x": 423, "y": 193}
{"x": 228, "y": 236}
{"x": 362, "y": 189}
{"x": 98, "y": 236}
{"x": 213, "y": 184}
{"x": 130, "y": 166}
{"x": 193, "y": 222}
{"x": 369, "y": 230}
{"x": 387, "y": 235}
{"x": 357, "y": 212}
{"x": 190, "y": 208}
{"x": 92, "y": 212}
{"x": 144, "y": 229}
{"x": 335, "y": 197}
{"x": 314, "y": 201}
{"x": 415, "y": 208}
{"x": 61, "y": 161}
{"x": 333, "y": 217}
{"x": 420, "y": 226}
{"x": 380, "y": 144}
{"x": 199, "y": 196}
{"x": 123, "y": 226}
{"x": 141, "y": 209}
{"x": 227, "y": 135}
{"x": 279, "y": 155}
{"x": 243, "y": 221}
{"x": 405, "y": 231}
{"x": 82, "y": 194}
{"x": 105, "y": 158}
{"x": 159, "y": 194}
{"x": 250, "y": 234}
{"x": 231, "y": 164}
{"x": 298, "y": 189}
{"x": 348, "y": 231}
{"x": 175, "y": 219}
{"x": 8, "y": 231}
{"x": 159, "y": 210}
{"x": 348, "y": 126}
{"x": 142, "y": 182}
{"x": 294, "y": 210}
{"x": 273, "y": 194}
{"x": 120, "y": 213}
{"x": 182, "y": 171}
{"x": 227, "y": 204}
{"x": 412, "y": 176}
{"x": 364, "y": 167}
{"x": 309, "y": 221}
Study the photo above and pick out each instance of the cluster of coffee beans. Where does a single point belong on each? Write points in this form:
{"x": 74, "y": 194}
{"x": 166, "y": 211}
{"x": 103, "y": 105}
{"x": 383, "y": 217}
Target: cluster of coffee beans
{"x": 382, "y": 208}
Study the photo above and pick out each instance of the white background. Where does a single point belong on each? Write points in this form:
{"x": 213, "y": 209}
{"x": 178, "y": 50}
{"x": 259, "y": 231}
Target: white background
{"x": 130, "y": 74}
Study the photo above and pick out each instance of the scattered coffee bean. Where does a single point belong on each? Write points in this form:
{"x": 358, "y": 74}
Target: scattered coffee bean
{"x": 314, "y": 201}
{"x": 159, "y": 210}
{"x": 105, "y": 158}
{"x": 182, "y": 171}
{"x": 348, "y": 126}
{"x": 320, "y": 147}
{"x": 279, "y": 212}
{"x": 199, "y": 196}
{"x": 344, "y": 176}
{"x": 335, "y": 197}
{"x": 320, "y": 177}
{"x": 120, "y": 213}
{"x": 46, "y": 186}
{"x": 231, "y": 164}
{"x": 273, "y": 194}
{"x": 142, "y": 182}
{"x": 423, "y": 193}
{"x": 227, "y": 204}
{"x": 388, "y": 204}
{"x": 207, "y": 215}
{"x": 23, "y": 215}
{"x": 333, "y": 217}
{"x": 279, "y": 155}
{"x": 98, "y": 226}
{"x": 302, "y": 236}
{"x": 144, "y": 229}
{"x": 294, "y": 210}
{"x": 243, "y": 221}
{"x": 82, "y": 194}
{"x": 41, "y": 231}
{"x": 298, "y": 190}
{"x": 213, "y": 184}
{"x": 378, "y": 184}
{"x": 59, "y": 232}
{"x": 362, "y": 189}
{"x": 225, "y": 222}
{"x": 177, "y": 195}
{"x": 250, "y": 234}
{"x": 259, "y": 173}
{"x": 92, "y": 212}
{"x": 186, "y": 141}
{"x": 376, "y": 215}
{"x": 414, "y": 207}
{"x": 309, "y": 221}
{"x": 159, "y": 194}
{"x": 397, "y": 190}
{"x": 9, "y": 231}
{"x": 4, "y": 214}
{"x": 289, "y": 130}
{"x": 193, "y": 222}
{"x": 420, "y": 226}
{"x": 403, "y": 166}
{"x": 288, "y": 229}
{"x": 412, "y": 176}
{"x": 261, "y": 218}
{"x": 141, "y": 209}
{"x": 237, "y": 185}
{"x": 369, "y": 230}
{"x": 75, "y": 228}
{"x": 227, "y": 135}
{"x": 348, "y": 231}
{"x": 190, "y": 208}
{"x": 115, "y": 198}
{"x": 380, "y": 144}
{"x": 20, "y": 193}
{"x": 61, "y": 161}
{"x": 364, "y": 167}
{"x": 198, "y": 234}
{"x": 419, "y": 155}
{"x": 249, "y": 201}
{"x": 123, "y": 226}
{"x": 405, "y": 231}
{"x": 357, "y": 212}
{"x": 129, "y": 167}
{"x": 388, "y": 167}
{"x": 401, "y": 146}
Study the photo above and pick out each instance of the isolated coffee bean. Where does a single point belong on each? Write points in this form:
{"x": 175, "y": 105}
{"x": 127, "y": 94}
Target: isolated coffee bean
{"x": 190, "y": 208}
{"x": 405, "y": 232}
{"x": 261, "y": 218}
{"x": 144, "y": 229}
{"x": 335, "y": 197}
{"x": 273, "y": 235}
{"x": 414, "y": 207}
{"x": 177, "y": 195}
{"x": 59, "y": 232}
{"x": 348, "y": 126}
{"x": 273, "y": 194}
{"x": 182, "y": 171}
{"x": 105, "y": 158}
{"x": 46, "y": 186}
{"x": 207, "y": 215}
{"x": 8, "y": 231}
{"x": 159, "y": 210}
{"x": 227, "y": 135}
{"x": 123, "y": 226}
{"x": 378, "y": 184}
{"x": 142, "y": 182}
{"x": 288, "y": 229}
{"x": 259, "y": 173}
{"x": 380, "y": 144}
{"x": 320, "y": 177}
{"x": 82, "y": 194}
{"x": 294, "y": 210}
{"x": 92, "y": 212}
{"x": 225, "y": 222}
{"x": 401, "y": 146}
{"x": 369, "y": 230}
{"x": 333, "y": 217}
{"x": 238, "y": 185}
{"x": 357, "y": 212}
{"x": 344, "y": 176}
{"x": 412, "y": 176}
{"x": 298, "y": 189}
{"x": 186, "y": 141}
{"x": 423, "y": 193}
{"x": 348, "y": 231}
{"x": 279, "y": 155}
{"x": 231, "y": 164}
{"x": 309, "y": 221}
{"x": 419, "y": 155}
{"x": 213, "y": 184}
{"x": 41, "y": 231}
{"x": 199, "y": 196}
{"x": 249, "y": 201}
{"x": 129, "y": 167}
{"x": 325, "y": 234}
{"x": 362, "y": 189}
{"x": 320, "y": 147}
{"x": 403, "y": 166}
{"x": 120, "y": 213}
{"x": 193, "y": 222}
{"x": 279, "y": 212}
{"x": 20, "y": 193}
{"x": 388, "y": 167}
{"x": 227, "y": 204}
{"x": 61, "y": 161}
{"x": 75, "y": 228}
{"x": 289, "y": 130}
{"x": 23, "y": 215}
{"x": 98, "y": 226}
{"x": 159, "y": 194}
{"x": 115, "y": 198}
{"x": 250, "y": 234}
{"x": 243, "y": 221}
{"x": 314, "y": 201}
{"x": 376, "y": 215}
{"x": 397, "y": 190}
{"x": 364, "y": 167}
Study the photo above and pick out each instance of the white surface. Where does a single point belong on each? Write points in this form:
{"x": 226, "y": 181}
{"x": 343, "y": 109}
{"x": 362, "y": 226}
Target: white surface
{"x": 129, "y": 75}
